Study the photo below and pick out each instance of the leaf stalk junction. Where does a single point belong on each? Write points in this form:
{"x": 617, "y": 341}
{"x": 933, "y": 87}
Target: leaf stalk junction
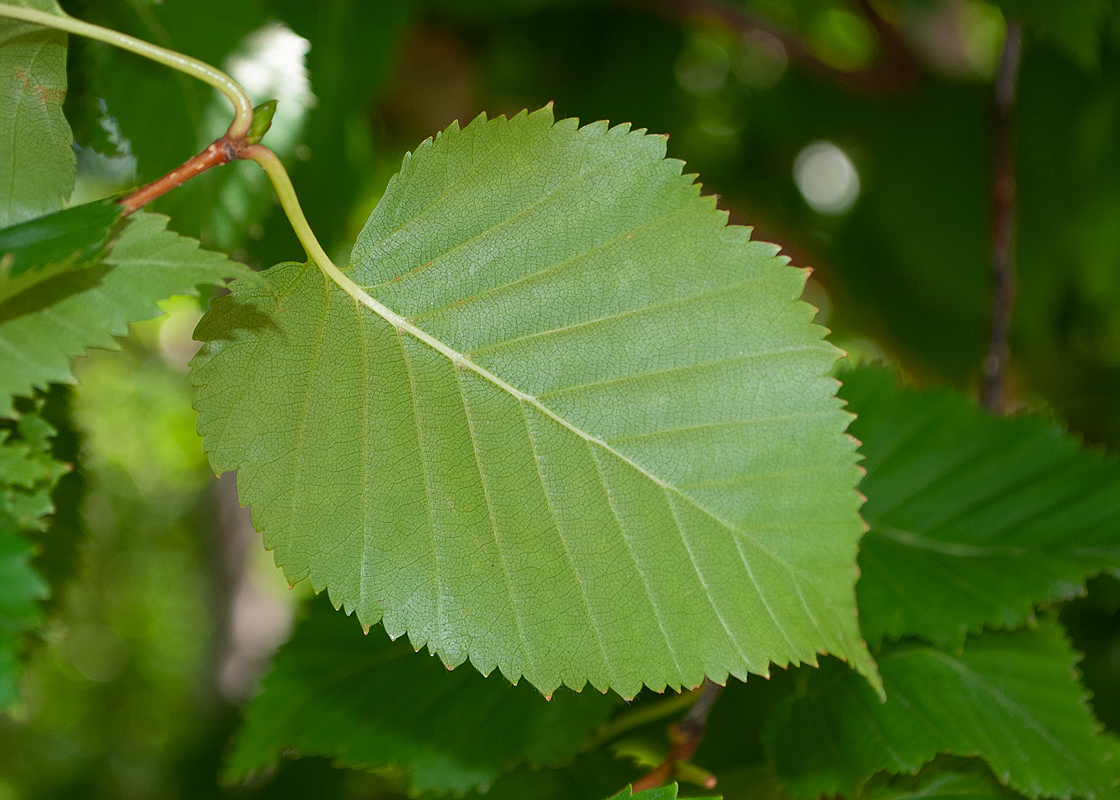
{"x": 242, "y": 141}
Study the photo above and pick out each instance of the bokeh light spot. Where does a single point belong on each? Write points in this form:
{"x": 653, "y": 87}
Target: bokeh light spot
{"x": 827, "y": 178}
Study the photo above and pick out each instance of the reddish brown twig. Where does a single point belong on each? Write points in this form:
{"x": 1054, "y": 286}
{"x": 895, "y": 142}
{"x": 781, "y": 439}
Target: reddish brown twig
{"x": 895, "y": 70}
{"x": 1003, "y": 219}
{"x": 221, "y": 151}
{"x": 685, "y": 738}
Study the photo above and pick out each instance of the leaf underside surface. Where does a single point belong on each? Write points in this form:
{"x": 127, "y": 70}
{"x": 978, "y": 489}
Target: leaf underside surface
{"x": 616, "y": 459}
{"x": 27, "y": 475}
{"x": 43, "y": 328}
{"x": 370, "y": 703}
{"x": 39, "y": 174}
{"x": 1011, "y": 698}
{"x": 974, "y": 520}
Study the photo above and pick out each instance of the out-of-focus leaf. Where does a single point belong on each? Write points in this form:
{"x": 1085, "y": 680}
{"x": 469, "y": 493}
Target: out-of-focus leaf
{"x": 370, "y": 703}
{"x": 590, "y": 777}
{"x": 1076, "y": 27}
{"x": 28, "y": 473}
{"x": 616, "y": 458}
{"x": 58, "y": 548}
{"x": 487, "y": 10}
{"x": 945, "y": 778}
{"x": 43, "y": 328}
{"x": 45, "y": 247}
{"x": 38, "y": 173}
{"x": 1012, "y": 698}
{"x": 667, "y": 792}
{"x": 974, "y": 519}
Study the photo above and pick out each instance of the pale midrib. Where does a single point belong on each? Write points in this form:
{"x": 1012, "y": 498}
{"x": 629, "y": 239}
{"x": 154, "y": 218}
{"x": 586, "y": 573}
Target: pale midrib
{"x": 908, "y": 539}
{"x": 463, "y": 362}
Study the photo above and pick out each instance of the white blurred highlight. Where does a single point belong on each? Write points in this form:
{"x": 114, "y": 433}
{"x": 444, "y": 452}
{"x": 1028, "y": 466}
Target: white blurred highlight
{"x": 826, "y": 178}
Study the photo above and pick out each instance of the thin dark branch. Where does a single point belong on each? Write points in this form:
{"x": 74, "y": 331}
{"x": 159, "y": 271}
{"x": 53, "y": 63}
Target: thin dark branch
{"x": 1003, "y": 219}
{"x": 896, "y": 70}
{"x": 685, "y": 737}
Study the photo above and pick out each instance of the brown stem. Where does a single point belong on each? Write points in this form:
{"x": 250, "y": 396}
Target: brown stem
{"x": 1003, "y": 219}
{"x": 685, "y": 737}
{"x": 221, "y": 151}
{"x": 896, "y": 70}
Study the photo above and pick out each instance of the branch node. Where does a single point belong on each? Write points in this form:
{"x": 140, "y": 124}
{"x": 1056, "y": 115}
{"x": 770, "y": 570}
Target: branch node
{"x": 684, "y": 738}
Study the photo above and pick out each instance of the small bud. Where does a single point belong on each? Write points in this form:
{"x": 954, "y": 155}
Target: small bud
{"x": 262, "y": 121}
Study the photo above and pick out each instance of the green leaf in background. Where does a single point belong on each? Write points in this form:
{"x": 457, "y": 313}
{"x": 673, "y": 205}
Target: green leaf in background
{"x": 974, "y": 520}
{"x": 589, "y": 777}
{"x": 1011, "y": 698}
{"x": 38, "y": 174}
{"x": 635, "y": 473}
{"x": 45, "y": 247}
{"x": 60, "y": 549}
{"x": 370, "y": 703}
{"x": 668, "y": 792}
{"x": 1076, "y": 27}
{"x": 944, "y": 778}
{"x": 27, "y": 475}
{"x": 43, "y": 328}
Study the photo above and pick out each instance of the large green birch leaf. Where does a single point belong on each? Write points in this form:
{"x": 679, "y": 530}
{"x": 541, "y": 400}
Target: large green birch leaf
{"x": 1011, "y": 698}
{"x": 42, "y": 328}
{"x": 597, "y": 443}
{"x": 974, "y": 519}
{"x": 370, "y": 703}
{"x": 38, "y": 173}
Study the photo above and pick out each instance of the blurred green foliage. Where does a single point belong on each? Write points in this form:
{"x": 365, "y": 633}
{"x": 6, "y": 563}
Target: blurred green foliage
{"x": 124, "y": 697}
